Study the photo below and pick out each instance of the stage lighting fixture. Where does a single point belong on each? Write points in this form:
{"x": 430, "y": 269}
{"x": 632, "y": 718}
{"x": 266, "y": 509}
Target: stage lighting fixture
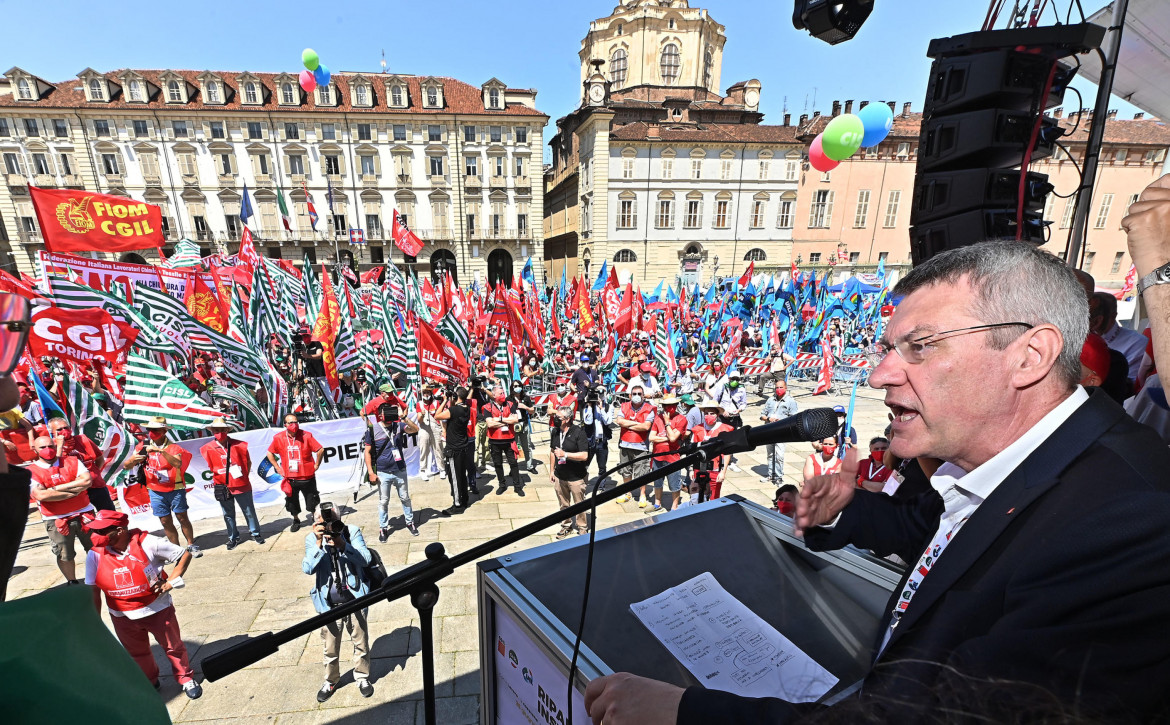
{"x": 833, "y": 21}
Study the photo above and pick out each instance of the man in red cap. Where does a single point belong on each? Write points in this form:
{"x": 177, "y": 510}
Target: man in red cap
{"x": 127, "y": 566}
{"x": 60, "y": 487}
{"x": 645, "y": 378}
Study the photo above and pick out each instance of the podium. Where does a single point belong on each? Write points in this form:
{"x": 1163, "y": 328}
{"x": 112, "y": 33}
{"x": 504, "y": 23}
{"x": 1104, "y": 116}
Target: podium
{"x": 829, "y": 604}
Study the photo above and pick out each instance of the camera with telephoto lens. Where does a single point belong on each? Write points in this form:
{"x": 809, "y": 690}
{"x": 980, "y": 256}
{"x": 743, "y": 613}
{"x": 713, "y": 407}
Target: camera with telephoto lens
{"x": 335, "y": 528}
{"x": 593, "y": 395}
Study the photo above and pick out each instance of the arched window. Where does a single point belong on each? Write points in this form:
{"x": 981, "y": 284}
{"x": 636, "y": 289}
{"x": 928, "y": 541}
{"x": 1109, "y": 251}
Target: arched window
{"x": 669, "y": 65}
{"x": 361, "y": 95}
{"x": 286, "y": 93}
{"x": 494, "y": 97}
{"x": 755, "y": 255}
{"x": 250, "y": 93}
{"x": 432, "y": 96}
{"x": 23, "y": 89}
{"x": 213, "y": 92}
{"x": 617, "y": 67}
{"x": 396, "y": 96}
{"x": 625, "y": 255}
{"x": 95, "y": 89}
{"x": 135, "y": 91}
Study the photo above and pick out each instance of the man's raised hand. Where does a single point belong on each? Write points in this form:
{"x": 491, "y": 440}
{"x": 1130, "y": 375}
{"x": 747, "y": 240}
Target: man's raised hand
{"x": 823, "y": 497}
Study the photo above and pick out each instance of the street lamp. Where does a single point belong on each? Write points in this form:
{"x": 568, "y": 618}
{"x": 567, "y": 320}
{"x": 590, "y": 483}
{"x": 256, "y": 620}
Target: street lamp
{"x": 440, "y": 269}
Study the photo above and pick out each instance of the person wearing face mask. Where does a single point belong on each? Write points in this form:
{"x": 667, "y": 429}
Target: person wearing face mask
{"x": 300, "y": 456}
{"x": 500, "y": 416}
{"x": 229, "y": 462}
{"x": 778, "y": 407}
{"x": 60, "y": 486}
{"x": 715, "y": 381}
{"x": 597, "y": 421}
{"x": 683, "y": 380}
{"x": 525, "y": 407}
{"x": 561, "y": 397}
{"x": 668, "y": 435}
{"x": 80, "y": 446}
{"x": 430, "y": 452}
{"x": 126, "y": 566}
{"x": 646, "y": 380}
{"x": 785, "y": 500}
{"x": 823, "y": 461}
{"x": 567, "y": 467}
{"x": 531, "y": 370}
{"x": 635, "y": 418}
{"x": 165, "y": 467}
{"x": 459, "y": 420}
{"x": 872, "y": 473}
{"x": 713, "y": 424}
{"x": 585, "y": 377}
{"x": 733, "y": 400}
{"x": 385, "y": 452}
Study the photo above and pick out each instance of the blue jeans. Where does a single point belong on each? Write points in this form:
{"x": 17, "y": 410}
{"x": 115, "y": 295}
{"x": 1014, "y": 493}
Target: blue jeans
{"x": 396, "y": 479}
{"x": 776, "y": 459}
{"x": 247, "y": 506}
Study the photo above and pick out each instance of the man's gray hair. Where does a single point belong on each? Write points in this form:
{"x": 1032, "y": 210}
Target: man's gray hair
{"x": 1014, "y": 282}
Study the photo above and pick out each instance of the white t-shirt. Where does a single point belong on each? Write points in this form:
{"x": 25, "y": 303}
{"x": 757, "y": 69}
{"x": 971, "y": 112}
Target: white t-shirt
{"x": 160, "y": 551}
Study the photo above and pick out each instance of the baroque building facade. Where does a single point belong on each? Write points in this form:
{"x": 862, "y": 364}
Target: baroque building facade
{"x": 455, "y": 160}
{"x": 658, "y": 172}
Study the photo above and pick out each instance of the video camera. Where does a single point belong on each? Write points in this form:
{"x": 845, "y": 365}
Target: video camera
{"x": 477, "y": 381}
{"x": 335, "y": 528}
{"x": 593, "y": 395}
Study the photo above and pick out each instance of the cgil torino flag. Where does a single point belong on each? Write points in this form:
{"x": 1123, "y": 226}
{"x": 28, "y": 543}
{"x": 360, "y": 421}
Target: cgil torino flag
{"x": 80, "y": 221}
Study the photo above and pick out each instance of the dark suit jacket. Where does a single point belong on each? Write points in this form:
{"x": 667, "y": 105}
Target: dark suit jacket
{"x": 1060, "y": 579}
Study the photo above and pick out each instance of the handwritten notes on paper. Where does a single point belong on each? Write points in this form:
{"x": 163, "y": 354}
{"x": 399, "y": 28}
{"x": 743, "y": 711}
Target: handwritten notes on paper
{"x": 727, "y": 646}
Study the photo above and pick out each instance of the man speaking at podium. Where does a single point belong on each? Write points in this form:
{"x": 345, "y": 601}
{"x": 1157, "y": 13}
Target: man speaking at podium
{"x": 1039, "y": 557}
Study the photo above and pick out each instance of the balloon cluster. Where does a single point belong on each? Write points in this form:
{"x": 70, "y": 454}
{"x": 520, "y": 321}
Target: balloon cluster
{"x": 315, "y": 73}
{"x": 845, "y": 134}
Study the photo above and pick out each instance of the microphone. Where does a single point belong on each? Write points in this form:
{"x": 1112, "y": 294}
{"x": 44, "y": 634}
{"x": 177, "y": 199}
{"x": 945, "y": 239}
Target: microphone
{"x": 807, "y": 425}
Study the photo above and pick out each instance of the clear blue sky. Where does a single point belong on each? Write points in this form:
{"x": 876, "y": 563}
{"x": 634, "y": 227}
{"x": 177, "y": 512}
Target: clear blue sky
{"x": 525, "y": 43}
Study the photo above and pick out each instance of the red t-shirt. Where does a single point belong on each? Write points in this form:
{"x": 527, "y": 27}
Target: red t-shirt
{"x": 161, "y": 476}
{"x": 659, "y": 428}
{"x": 296, "y": 453}
{"x": 868, "y": 470}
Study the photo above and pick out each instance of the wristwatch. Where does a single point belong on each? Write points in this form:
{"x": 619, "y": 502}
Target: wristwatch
{"x": 1161, "y": 275}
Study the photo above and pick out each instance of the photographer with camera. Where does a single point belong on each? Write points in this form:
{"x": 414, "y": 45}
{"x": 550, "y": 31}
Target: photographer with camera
{"x": 385, "y": 452}
{"x": 524, "y": 405}
{"x": 597, "y": 420}
{"x": 457, "y": 417}
{"x": 336, "y": 557}
{"x": 499, "y": 418}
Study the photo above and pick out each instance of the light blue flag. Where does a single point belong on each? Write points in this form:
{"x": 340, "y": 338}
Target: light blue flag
{"x": 599, "y": 285}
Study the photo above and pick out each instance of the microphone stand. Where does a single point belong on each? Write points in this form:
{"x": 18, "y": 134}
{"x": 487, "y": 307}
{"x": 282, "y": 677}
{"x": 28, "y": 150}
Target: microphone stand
{"x": 419, "y": 581}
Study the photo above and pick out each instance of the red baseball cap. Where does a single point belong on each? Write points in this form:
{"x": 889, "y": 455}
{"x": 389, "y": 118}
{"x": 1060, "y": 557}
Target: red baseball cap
{"x": 646, "y": 367}
{"x": 1095, "y": 355}
{"x": 107, "y": 519}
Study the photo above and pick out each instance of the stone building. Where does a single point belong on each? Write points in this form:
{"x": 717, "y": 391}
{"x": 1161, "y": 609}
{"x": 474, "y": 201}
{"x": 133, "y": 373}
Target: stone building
{"x": 658, "y": 171}
{"x": 456, "y": 161}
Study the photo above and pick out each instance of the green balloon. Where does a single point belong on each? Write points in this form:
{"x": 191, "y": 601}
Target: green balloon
{"x": 310, "y": 59}
{"x": 842, "y": 137}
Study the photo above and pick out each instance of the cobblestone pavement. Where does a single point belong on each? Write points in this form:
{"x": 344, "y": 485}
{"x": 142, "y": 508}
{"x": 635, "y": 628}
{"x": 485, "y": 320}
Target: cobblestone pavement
{"x": 260, "y": 588}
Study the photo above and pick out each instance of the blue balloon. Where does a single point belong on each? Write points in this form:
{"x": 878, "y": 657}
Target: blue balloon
{"x": 878, "y": 119}
{"x": 321, "y": 75}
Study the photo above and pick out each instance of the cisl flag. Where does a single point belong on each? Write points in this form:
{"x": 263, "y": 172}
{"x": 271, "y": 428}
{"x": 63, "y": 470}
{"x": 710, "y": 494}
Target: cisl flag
{"x": 81, "y": 221}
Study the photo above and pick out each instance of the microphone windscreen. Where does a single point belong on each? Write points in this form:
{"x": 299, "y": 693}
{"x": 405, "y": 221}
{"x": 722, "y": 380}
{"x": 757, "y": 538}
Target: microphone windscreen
{"x": 818, "y": 423}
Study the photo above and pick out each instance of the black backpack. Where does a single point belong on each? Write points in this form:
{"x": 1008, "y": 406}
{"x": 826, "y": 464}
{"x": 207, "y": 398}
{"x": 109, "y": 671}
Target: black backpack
{"x": 375, "y": 571}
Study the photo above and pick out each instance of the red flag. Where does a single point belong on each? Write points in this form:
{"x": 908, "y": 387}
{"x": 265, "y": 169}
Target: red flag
{"x": 624, "y": 322}
{"x": 747, "y": 276}
{"x": 371, "y": 276}
{"x": 78, "y": 336}
{"x": 611, "y": 282}
{"x": 11, "y": 284}
{"x": 326, "y": 327}
{"x": 554, "y": 325}
{"x": 683, "y": 305}
{"x": 405, "y": 239}
{"x": 826, "y": 376}
{"x": 639, "y": 307}
{"x": 247, "y": 255}
{"x": 201, "y": 302}
{"x": 1130, "y": 282}
{"x": 795, "y": 273}
{"x": 438, "y": 358}
{"x": 73, "y": 220}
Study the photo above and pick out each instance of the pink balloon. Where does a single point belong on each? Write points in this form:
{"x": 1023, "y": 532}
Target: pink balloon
{"x": 308, "y": 82}
{"x": 816, "y": 157}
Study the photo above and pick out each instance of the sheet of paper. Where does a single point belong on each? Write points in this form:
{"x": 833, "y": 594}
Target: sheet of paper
{"x": 727, "y": 647}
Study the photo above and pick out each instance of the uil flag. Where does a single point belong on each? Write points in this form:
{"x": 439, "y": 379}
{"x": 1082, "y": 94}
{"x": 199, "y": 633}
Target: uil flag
{"x": 312, "y": 209}
{"x": 80, "y": 221}
{"x": 357, "y": 236}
